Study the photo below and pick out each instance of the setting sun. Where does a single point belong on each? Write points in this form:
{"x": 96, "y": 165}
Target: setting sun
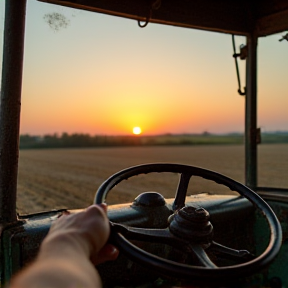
{"x": 137, "y": 130}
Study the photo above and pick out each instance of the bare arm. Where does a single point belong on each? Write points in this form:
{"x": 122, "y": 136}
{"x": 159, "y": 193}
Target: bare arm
{"x": 74, "y": 244}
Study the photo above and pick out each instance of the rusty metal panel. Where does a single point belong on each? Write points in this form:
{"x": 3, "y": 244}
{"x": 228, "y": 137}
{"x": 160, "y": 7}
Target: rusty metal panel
{"x": 10, "y": 106}
{"x": 272, "y": 24}
{"x": 234, "y": 17}
{"x": 221, "y": 16}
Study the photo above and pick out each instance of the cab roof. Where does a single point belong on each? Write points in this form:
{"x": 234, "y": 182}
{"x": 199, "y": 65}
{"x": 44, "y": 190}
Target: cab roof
{"x": 243, "y": 17}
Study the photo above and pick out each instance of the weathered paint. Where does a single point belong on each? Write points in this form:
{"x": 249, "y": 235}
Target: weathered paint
{"x": 10, "y": 106}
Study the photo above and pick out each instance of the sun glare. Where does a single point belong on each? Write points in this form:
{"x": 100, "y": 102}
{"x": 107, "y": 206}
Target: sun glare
{"x": 137, "y": 130}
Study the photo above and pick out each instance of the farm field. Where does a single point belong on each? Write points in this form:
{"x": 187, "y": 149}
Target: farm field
{"x": 68, "y": 178}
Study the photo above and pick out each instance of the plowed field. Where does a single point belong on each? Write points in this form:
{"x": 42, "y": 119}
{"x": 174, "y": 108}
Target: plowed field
{"x": 69, "y": 178}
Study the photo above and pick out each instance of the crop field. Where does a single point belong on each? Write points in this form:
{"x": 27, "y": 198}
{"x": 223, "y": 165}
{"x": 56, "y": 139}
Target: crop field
{"x": 68, "y": 178}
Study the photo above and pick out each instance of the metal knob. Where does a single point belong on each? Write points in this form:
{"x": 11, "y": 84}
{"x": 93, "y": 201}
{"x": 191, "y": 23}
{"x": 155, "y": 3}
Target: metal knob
{"x": 192, "y": 223}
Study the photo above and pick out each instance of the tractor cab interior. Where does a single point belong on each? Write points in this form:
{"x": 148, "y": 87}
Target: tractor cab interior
{"x": 191, "y": 240}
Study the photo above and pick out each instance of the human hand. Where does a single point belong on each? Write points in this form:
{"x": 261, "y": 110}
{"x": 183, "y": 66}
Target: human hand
{"x": 74, "y": 244}
{"x": 84, "y": 233}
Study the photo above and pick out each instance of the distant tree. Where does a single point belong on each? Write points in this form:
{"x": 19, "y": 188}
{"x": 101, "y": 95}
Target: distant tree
{"x": 206, "y": 133}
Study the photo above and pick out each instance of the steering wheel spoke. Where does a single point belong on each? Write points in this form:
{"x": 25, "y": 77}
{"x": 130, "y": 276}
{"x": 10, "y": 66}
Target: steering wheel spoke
{"x": 228, "y": 252}
{"x": 181, "y": 192}
{"x": 202, "y": 256}
{"x": 162, "y": 236}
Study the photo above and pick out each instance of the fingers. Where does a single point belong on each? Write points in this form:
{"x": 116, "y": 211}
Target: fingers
{"x": 104, "y": 207}
{"x": 108, "y": 253}
{"x": 95, "y": 227}
{"x": 86, "y": 231}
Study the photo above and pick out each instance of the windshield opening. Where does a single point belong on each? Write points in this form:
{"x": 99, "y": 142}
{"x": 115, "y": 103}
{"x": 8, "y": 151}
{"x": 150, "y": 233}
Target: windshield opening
{"x": 90, "y": 79}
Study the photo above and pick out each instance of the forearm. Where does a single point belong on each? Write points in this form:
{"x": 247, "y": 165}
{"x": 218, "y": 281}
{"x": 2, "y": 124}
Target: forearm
{"x": 67, "y": 256}
{"x": 58, "y": 273}
{"x": 61, "y": 262}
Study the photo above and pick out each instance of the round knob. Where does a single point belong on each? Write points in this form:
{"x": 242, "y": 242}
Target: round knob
{"x": 149, "y": 199}
{"x": 192, "y": 223}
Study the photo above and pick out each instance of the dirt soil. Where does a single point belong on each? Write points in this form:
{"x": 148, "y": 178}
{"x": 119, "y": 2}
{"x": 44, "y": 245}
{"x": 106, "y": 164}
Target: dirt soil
{"x": 68, "y": 178}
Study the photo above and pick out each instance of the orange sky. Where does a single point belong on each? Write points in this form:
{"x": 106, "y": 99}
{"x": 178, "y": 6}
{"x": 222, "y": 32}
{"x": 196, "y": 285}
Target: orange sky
{"x": 105, "y": 75}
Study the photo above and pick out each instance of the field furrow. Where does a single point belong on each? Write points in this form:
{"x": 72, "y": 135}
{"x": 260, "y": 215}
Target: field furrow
{"x": 69, "y": 178}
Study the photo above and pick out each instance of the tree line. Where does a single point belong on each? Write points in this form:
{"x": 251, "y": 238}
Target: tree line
{"x": 74, "y": 140}
{"x": 66, "y": 140}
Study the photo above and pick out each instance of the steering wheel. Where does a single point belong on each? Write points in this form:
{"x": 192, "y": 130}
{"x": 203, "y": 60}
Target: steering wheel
{"x": 196, "y": 217}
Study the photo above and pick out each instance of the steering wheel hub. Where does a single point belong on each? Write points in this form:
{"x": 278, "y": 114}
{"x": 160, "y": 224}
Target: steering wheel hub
{"x": 192, "y": 224}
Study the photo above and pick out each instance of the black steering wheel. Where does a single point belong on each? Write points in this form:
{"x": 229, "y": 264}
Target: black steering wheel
{"x": 201, "y": 240}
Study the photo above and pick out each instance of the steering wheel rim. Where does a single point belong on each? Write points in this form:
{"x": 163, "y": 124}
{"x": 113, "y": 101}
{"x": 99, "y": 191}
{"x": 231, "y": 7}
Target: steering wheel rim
{"x": 183, "y": 270}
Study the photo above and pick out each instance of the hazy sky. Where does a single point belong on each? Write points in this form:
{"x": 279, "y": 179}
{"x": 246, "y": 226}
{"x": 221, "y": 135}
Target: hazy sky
{"x": 105, "y": 75}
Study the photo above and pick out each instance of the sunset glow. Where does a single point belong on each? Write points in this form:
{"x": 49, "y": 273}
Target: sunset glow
{"x": 75, "y": 81}
{"x": 137, "y": 130}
